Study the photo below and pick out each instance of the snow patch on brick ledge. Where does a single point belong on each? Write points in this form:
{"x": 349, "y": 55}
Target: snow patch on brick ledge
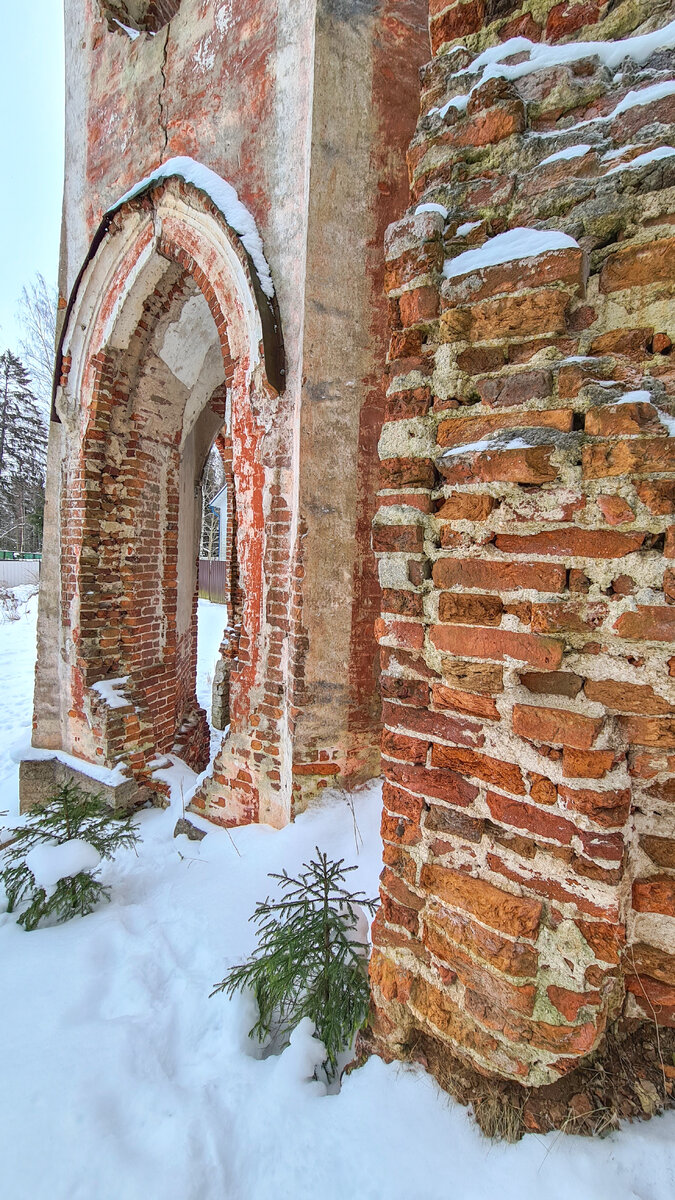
{"x": 225, "y": 199}
{"x": 542, "y": 57}
{"x": 508, "y": 247}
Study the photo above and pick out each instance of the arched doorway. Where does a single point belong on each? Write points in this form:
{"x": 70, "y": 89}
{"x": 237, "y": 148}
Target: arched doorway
{"x": 168, "y": 324}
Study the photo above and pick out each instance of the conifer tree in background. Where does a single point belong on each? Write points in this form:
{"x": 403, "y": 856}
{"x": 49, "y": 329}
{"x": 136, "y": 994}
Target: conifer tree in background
{"x": 309, "y": 961}
{"x": 71, "y": 816}
{"x": 23, "y": 454}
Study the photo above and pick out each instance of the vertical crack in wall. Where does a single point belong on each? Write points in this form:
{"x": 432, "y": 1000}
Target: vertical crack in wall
{"x": 162, "y": 116}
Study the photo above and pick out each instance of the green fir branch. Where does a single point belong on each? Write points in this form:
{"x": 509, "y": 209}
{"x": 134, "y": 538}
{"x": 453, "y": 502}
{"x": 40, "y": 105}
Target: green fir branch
{"x": 307, "y": 962}
{"x": 69, "y": 813}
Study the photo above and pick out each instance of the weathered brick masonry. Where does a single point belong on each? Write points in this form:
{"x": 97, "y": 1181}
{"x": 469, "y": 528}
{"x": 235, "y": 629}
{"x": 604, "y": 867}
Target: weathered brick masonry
{"x": 525, "y": 545}
{"x": 168, "y": 343}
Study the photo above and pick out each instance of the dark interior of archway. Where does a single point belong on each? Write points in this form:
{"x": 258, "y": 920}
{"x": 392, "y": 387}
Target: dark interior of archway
{"x": 147, "y": 16}
{"x": 159, "y": 406}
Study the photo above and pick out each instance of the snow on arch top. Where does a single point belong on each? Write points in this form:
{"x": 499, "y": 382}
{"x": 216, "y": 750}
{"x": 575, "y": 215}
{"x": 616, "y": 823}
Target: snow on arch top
{"x": 225, "y": 199}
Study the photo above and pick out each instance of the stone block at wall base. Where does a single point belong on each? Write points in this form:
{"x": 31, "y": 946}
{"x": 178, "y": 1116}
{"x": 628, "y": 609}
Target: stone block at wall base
{"x": 40, "y": 779}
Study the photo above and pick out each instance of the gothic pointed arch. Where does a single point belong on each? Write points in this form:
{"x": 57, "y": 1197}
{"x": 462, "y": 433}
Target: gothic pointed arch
{"x": 172, "y": 319}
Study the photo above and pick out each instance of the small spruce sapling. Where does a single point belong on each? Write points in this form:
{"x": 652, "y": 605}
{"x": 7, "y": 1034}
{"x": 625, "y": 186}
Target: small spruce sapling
{"x": 71, "y": 814}
{"x": 309, "y": 962}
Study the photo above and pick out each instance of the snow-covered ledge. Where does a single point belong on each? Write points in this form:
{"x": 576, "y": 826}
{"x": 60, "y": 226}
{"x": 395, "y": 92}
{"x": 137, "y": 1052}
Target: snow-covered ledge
{"x": 42, "y": 772}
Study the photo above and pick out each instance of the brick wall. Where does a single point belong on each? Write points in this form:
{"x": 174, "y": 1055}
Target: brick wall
{"x": 525, "y": 547}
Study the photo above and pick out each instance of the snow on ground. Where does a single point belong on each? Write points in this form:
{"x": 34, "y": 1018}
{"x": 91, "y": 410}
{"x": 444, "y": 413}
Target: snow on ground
{"x": 122, "y": 1080}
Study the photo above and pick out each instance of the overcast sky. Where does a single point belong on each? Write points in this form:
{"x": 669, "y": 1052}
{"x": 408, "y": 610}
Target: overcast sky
{"x": 31, "y": 150}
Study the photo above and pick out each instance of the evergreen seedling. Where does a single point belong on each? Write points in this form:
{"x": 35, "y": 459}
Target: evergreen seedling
{"x": 308, "y": 962}
{"x": 70, "y": 814}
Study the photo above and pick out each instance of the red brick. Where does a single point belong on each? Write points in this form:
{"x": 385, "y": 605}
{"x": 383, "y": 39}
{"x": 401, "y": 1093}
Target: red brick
{"x": 626, "y": 697}
{"x": 400, "y": 861}
{"x": 434, "y": 724}
{"x": 406, "y": 634}
{"x": 469, "y": 609}
{"x": 518, "y": 916}
{"x": 654, "y": 623}
{"x": 419, "y": 304}
{"x": 606, "y": 942}
{"x": 453, "y": 822}
{"x": 658, "y": 495}
{"x": 498, "y": 645}
{"x": 393, "y": 981}
{"x": 466, "y": 506}
{"x": 509, "y": 316}
{"x": 403, "y": 804}
{"x": 542, "y": 790}
{"x": 413, "y": 402}
{"x": 653, "y": 998}
{"x": 403, "y": 603}
{"x": 457, "y": 430}
{"x": 653, "y": 962}
{"x": 539, "y": 821}
{"x": 608, "y": 808}
{"x": 552, "y": 683}
{"x": 615, "y": 510}
{"x": 571, "y": 1003}
{"x": 661, "y": 850}
{"x": 556, "y": 726}
{"x": 532, "y": 466}
{"x": 497, "y": 575}
{"x": 557, "y": 266}
{"x": 474, "y": 677}
{"x": 623, "y": 420}
{"x": 632, "y": 342}
{"x": 649, "y": 731}
{"x": 573, "y": 1039}
{"x": 496, "y": 988}
{"x": 567, "y": 618}
{"x": 407, "y": 691}
{"x": 513, "y": 958}
{"x": 640, "y": 457}
{"x": 587, "y": 764}
{"x": 456, "y": 21}
{"x": 655, "y": 895}
{"x": 398, "y": 745}
{"x": 418, "y": 500}
{"x": 478, "y": 766}
{"x": 399, "y": 914}
{"x": 577, "y": 543}
{"x": 440, "y": 1010}
{"x": 407, "y": 472}
{"x": 566, "y": 18}
{"x": 552, "y": 889}
{"x": 397, "y": 538}
{"x": 504, "y": 391}
{"x": 464, "y": 702}
{"x": 639, "y": 266}
{"x": 443, "y": 785}
{"x": 398, "y": 830}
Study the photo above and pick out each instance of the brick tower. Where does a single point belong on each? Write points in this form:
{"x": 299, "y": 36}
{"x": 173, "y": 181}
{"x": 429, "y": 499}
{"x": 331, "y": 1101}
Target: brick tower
{"x": 525, "y": 544}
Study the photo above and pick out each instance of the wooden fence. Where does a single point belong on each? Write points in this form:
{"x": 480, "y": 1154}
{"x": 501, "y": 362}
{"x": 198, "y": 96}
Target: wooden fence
{"x": 213, "y": 580}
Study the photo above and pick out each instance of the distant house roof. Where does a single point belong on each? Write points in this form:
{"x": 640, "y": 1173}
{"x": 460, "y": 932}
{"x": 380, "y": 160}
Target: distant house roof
{"x": 219, "y": 500}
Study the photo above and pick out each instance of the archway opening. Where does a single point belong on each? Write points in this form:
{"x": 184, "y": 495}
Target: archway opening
{"x": 145, "y": 16}
{"x": 159, "y": 404}
{"x": 220, "y": 595}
